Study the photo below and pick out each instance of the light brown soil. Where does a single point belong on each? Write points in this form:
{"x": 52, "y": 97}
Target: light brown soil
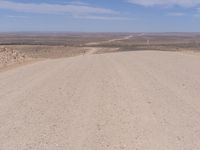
{"x": 146, "y": 100}
{"x": 13, "y": 55}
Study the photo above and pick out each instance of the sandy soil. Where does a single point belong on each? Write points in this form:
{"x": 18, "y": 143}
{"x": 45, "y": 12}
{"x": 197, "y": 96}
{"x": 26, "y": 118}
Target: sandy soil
{"x": 146, "y": 100}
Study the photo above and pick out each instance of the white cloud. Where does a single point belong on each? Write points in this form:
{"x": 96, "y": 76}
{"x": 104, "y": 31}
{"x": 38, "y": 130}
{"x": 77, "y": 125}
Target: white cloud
{"x": 73, "y": 8}
{"x": 176, "y": 14}
{"x": 16, "y": 16}
{"x": 78, "y": 3}
{"x": 77, "y": 9}
{"x": 96, "y": 17}
{"x": 182, "y": 3}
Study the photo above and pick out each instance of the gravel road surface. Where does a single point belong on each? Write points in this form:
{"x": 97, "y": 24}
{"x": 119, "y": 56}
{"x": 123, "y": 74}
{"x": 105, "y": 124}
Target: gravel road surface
{"x": 145, "y": 100}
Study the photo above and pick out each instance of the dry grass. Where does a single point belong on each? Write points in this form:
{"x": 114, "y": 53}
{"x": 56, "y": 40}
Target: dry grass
{"x": 55, "y": 39}
{"x": 57, "y": 45}
{"x": 46, "y": 51}
{"x": 162, "y": 42}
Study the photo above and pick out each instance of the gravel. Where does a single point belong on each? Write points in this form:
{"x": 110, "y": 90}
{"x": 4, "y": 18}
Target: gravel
{"x": 10, "y": 56}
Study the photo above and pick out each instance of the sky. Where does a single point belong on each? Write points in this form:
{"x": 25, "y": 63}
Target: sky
{"x": 100, "y": 15}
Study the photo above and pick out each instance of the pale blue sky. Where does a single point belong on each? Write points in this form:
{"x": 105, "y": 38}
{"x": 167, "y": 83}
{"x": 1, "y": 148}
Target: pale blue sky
{"x": 100, "y": 15}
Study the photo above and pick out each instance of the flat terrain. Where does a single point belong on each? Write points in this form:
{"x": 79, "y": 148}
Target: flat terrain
{"x": 140, "y": 100}
{"x": 56, "y": 39}
{"x": 153, "y": 41}
{"x": 18, "y": 48}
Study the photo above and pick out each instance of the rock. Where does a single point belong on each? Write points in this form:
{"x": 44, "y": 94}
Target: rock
{"x": 10, "y": 56}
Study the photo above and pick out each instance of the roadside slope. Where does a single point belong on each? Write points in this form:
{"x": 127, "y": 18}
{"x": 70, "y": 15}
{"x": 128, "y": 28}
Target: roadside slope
{"x": 131, "y": 100}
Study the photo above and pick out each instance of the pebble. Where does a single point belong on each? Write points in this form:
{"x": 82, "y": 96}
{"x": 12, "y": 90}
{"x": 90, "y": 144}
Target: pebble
{"x": 10, "y": 56}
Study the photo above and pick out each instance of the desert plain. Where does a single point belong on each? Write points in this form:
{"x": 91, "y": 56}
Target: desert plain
{"x": 100, "y": 91}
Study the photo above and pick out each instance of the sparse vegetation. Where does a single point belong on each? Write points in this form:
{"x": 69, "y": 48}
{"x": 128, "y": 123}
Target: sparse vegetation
{"x": 53, "y": 45}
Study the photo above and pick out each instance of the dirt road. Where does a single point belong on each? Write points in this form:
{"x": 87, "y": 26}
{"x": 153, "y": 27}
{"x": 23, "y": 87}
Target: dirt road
{"x": 110, "y": 41}
{"x": 146, "y": 100}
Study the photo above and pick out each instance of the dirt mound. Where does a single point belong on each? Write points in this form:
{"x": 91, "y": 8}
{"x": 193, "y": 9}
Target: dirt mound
{"x": 10, "y": 56}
